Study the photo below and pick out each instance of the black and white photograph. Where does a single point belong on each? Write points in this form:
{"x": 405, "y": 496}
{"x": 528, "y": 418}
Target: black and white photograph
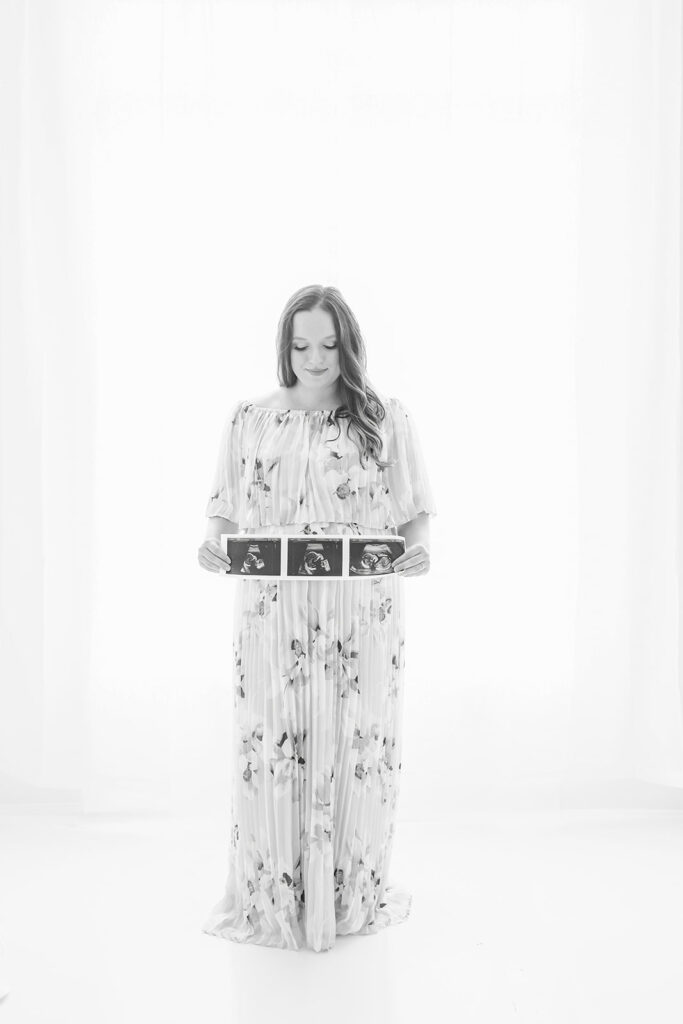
{"x": 254, "y": 555}
{"x": 344, "y": 556}
{"x": 341, "y": 511}
{"x": 308, "y": 556}
{"x": 373, "y": 556}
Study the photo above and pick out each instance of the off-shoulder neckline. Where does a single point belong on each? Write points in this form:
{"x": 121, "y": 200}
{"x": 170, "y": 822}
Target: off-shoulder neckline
{"x": 268, "y": 408}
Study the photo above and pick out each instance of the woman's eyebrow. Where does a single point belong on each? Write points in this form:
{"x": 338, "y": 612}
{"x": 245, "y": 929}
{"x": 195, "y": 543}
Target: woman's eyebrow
{"x": 297, "y": 337}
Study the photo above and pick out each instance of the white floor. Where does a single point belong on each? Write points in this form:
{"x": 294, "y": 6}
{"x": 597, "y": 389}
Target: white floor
{"x": 526, "y": 916}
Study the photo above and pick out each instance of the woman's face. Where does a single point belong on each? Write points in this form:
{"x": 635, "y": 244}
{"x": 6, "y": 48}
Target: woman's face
{"x": 315, "y": 346}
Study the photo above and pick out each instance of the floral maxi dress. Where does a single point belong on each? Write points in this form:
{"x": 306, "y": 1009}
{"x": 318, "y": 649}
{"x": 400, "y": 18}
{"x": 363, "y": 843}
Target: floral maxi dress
{"x": 318, "y": 682}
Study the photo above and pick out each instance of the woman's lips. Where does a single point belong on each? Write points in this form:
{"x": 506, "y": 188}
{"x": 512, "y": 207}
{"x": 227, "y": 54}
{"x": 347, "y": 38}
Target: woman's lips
{"x": 317, "y": 373}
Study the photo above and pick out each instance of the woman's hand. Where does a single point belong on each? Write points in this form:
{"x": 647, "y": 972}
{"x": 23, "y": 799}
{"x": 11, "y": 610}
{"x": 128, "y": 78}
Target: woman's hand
{"x": 212, "y": 557}
{"x": 413, "y": 562}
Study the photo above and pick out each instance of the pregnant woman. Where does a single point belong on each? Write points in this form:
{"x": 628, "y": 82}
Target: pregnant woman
{"x": 318, "y": 664}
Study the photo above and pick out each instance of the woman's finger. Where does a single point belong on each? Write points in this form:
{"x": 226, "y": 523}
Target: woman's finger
{"x": 215, "y": 562}
{"x": 221, "y": 564}
{"x": 408, "y": 563}
{"x": 216, "y": 566}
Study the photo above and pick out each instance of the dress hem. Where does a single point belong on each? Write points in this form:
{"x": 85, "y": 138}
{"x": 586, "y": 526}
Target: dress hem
{"x": 395, "y": 908}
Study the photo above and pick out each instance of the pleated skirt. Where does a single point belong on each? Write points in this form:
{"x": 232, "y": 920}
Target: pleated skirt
{"x": 318, "y": 687}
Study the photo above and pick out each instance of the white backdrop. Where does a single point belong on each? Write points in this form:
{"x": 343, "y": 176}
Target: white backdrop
{"x": 494, "y": 187}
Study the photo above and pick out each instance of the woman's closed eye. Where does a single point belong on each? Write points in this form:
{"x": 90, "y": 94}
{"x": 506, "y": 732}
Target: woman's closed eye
{"x": 302, "y": 348}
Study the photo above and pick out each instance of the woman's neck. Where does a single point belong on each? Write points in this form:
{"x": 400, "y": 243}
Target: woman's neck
{"x": 310, "y": 399}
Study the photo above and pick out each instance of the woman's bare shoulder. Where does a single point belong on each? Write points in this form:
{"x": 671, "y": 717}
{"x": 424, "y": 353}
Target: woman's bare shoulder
{"x": 271, "y": 400}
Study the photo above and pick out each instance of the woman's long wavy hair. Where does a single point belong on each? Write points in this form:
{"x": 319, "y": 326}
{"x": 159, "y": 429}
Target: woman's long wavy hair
{"x": 360, "y": 405}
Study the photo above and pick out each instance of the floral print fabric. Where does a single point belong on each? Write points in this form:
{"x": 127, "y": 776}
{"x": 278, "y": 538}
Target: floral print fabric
{"x": 318, "y": 683}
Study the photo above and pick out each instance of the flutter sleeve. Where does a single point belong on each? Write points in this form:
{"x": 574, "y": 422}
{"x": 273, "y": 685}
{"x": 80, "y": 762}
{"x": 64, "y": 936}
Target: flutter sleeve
{"x": 226, "y": 487}
{"x": 410, "y": 491}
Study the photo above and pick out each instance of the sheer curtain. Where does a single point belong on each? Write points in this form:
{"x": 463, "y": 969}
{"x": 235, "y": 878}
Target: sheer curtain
{"x": 495, "y": 187}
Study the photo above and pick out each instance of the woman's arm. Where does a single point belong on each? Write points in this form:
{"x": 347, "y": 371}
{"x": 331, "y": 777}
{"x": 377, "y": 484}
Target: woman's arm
{"x": 416, "y": 531}
{"x": 216, "y": 525}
